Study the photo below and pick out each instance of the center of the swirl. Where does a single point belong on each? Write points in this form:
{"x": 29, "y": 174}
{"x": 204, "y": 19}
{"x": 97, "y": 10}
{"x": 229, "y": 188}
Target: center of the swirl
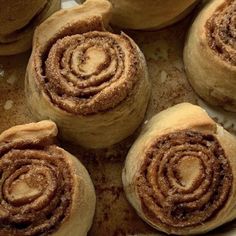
{"x": 188, "y": 170}
{"x": 27, "y": 186}
{"x": 93, "y": 60}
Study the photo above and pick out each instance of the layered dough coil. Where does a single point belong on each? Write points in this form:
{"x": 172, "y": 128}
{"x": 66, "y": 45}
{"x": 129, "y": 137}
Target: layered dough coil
{"x": 180, "y": 173}
{"x": 44, "y": 189}
{"x": 149, "y": 14}
{"x": 18, "y": 19}
{"x": 210, "y": 54}
{"x": 92, "y": 83}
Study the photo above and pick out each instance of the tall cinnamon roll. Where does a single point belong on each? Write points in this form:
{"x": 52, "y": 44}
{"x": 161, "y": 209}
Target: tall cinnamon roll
{"x": 179, "y": 175}
{"x": 44, "y": 189}
{"x": 210, "y": 54}
{"x": 18, "y": 19}
{"x": 91, "y": 82}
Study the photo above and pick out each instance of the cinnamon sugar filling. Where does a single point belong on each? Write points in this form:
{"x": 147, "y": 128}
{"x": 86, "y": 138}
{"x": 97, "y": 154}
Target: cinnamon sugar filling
{"x": 36, "y": 190}
{"x": 90, "y": 72}
{"x": 185, "y": 179}
{"x": 221, "y": 31}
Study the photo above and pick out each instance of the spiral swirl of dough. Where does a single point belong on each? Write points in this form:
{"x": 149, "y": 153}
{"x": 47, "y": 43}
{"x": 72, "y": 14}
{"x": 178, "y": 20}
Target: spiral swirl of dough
{"x": 91, "y": 72}
{"x": 176, "y": 197}
{"x": 36, "y": 188}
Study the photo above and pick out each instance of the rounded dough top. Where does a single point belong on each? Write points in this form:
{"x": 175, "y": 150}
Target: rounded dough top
{"x": 148, "y": 14}
{"x": 15, "y": 14}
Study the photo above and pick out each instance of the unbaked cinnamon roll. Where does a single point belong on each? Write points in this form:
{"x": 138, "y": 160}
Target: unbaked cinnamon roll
{"x": 210, "y": 54}
{"x": 180, "y": 173}
{"x": 18, "y": 19}
{"x": 44, "y": 189}
{"x": 92, "y": 83}
{"x": 149, "y": 14}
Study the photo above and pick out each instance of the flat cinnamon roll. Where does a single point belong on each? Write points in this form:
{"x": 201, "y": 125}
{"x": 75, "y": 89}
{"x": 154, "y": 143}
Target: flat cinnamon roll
{"x": 210, "y": 54}
{"x": 44, "y": 189}
{"x": 18, "y": 19}
{"x": 179, "y": 174}
{"x": 92, "y": 83}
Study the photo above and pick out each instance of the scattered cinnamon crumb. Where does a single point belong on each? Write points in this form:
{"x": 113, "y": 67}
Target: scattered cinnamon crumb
{"x": 8, "y": 104}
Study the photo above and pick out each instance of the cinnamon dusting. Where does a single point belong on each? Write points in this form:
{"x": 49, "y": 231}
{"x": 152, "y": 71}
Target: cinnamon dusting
{"x": 88, "y": 92}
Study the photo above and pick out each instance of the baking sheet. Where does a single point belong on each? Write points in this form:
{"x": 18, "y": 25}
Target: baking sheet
{"x": 163, "y": 51}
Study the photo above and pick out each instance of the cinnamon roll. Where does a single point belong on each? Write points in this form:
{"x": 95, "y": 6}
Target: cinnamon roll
{"x": 18, "y": 19}
{"x": 92, "y": 83}
{"x": 44, "y": 189}
{"x": 149, "y": 14}
{"x": 180, "y": 173}
{"x": 210, "y": 54}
